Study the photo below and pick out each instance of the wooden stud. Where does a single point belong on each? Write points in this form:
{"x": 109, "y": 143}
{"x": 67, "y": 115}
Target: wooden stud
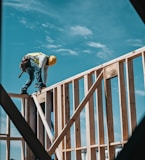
{"x": 143, "y": 65}
{"x": 48, "y": 131}
{"x": 66, "y": 109}
{"x": 100, "y": 120}
{"x": 77, "y": 122}
{"x": 90, "y": 126}
{"x": 123, "y": 102}
{"x": 131, "y": 94}
{"x": 76, "y": 113}
{"x": 48, "y": 110}
{"x": 109, "y": 114}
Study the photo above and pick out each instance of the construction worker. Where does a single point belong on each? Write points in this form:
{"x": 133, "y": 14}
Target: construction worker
{"x": 37, "y": 63}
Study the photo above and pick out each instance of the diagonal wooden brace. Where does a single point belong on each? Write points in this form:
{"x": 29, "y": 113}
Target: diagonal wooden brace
{"x": 76, "y": 113}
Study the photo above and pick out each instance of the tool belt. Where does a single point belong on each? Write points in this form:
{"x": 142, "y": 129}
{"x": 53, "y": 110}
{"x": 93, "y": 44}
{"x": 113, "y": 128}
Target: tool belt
{"x": 25, "y": 63}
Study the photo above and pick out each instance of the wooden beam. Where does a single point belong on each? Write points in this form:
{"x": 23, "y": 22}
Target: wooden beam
{"x": 131, "y": 94}
{"x": 122, "y": 102}
{"x": 77, "y": 126}
{"x": 76, "y": 113}
{"x": 90, "y": 124}
{"x": 22, "y": 125}
{"x": 100, "y": 119}
{"x": 42, "y": 116}
{"x": 15, "y": 95}
{"x": 111, "y": 71}
{"x": 131, "y": 55}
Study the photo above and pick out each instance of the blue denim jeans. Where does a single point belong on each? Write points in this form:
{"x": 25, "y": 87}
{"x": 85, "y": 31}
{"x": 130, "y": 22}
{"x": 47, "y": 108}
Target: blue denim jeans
{"x": 33, "y": 69}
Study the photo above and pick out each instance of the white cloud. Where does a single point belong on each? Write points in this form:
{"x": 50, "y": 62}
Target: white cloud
{"x": 50, "y": 25}
{"x": 67, "y": 51}
{"x": 103, "y": 53}
{"x": 30, "y": 5}
{"x": 50, "y": 46}
{"x": 80, "y": 30}
{"x": 140, "y": 92}
{"x": 96, "y": 45}
{"x": 136, "y": 42}
{"x": 27, "y": 24}
{"x": 49, "y": 39}
{"x": 86, "y": 51}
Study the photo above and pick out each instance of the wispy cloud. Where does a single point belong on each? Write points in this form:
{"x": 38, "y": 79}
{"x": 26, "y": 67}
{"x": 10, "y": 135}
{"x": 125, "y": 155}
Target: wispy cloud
{"x": 52, "y": 46}
{"x": 29, "y": 5}
{"x": 80, "y": 30}
{"x": 67, "y": 52}
{"x": 49, "y": 39}
{"x": 51, "y": 26}
{"x": 140, "y": 92}
{"x": 86, "y": 51}
{"x": 136, "y": 42}
{"x": 96, "y": 45}
{"x": 27, "y": 24}
{"x": 103, "y": 51}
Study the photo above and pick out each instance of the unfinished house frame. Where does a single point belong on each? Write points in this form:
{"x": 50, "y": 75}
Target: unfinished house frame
{"x": 89, "y": 116}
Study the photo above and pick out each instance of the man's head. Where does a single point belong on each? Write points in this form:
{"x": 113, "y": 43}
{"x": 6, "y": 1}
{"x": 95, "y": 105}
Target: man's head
{"x": 51, "y": 60}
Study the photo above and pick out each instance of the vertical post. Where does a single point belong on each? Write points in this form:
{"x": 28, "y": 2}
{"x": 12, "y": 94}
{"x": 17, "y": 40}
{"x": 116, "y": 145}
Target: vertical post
{"x": 8, "y": 140}
{"x": 131, "y": 94}
{"x": 30, "y": 112}
{"x": 77, "y": 122}
{"x": 40, "y": 127}
{"x": 90, "y": 126}
{"x": 48, "y": 110}
{"x": 59, "y": 113}
{"x": 109, "y": 114}
{"x": 122, "y": 101}
{"x": 55, "y": 108}
{"x": 66, "y": 113}
{"x": 143, "y": 65}
{"x": 100, "y": 120}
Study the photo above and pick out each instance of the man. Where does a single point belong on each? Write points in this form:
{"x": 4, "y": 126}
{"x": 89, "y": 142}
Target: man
{"x": 37, "y": 63}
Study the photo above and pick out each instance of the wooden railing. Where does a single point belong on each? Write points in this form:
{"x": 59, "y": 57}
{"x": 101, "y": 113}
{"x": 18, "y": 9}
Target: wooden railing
{"x": 90, "y": 115}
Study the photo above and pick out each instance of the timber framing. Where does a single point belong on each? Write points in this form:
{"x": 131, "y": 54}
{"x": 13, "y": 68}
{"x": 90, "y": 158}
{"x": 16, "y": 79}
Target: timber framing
{"x": 77, "y": 117}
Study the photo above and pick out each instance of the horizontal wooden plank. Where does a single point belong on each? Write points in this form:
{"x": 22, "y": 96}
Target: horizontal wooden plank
{"x": 111, "y": 71}
{"x": 40, "y": 96}
{"x": 16, "y": 95}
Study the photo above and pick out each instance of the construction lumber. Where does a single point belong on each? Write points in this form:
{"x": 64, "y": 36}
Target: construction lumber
{"x": 41, "y": 97}
{"x": 15, "y": 95}
{"x": 111, "y": 71}
{"x": 38, "y": 106}
{"x": 76, "y": 113}
{"x": 22, "y": 126}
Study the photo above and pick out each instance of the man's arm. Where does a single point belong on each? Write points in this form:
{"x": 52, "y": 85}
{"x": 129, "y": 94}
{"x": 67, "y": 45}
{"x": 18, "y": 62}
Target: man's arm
{"x": 45, "y": 74}
{"x": 42, "y": 60}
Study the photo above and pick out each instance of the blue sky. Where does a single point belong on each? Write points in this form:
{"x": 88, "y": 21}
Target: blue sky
{"x": 81, "y": 33}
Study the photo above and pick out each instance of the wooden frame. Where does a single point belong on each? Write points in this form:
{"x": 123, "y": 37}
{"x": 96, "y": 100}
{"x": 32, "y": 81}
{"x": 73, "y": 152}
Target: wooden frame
{"x": 85, "y": 99}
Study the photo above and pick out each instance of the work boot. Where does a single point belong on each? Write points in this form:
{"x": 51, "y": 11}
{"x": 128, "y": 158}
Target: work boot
{"x": 40, "y": 86}
{"x": 24, "y": 91}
